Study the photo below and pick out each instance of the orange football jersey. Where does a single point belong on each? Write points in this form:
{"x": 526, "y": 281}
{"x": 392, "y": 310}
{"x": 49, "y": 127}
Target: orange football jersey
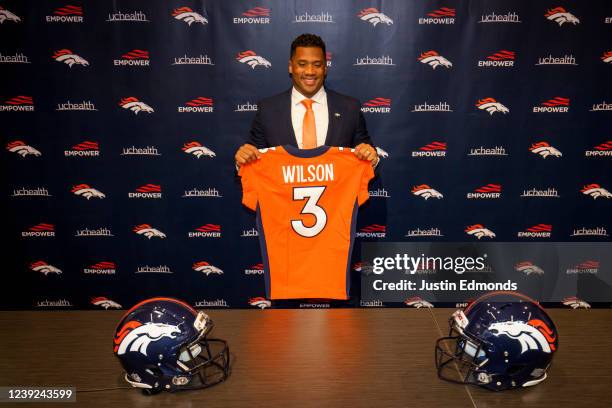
{"x": 306, "y": 203}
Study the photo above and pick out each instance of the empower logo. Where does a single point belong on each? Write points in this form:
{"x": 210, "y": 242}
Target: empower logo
{"x": 444, "y": 15}
{"x": 434, "y": 60}
{"x": 374, "y": 17}
{"x": 589, "y": 266}
{"x": 206, "y": 231}
{"x": 135, "y": 105}
{"x": 257, "y": 269}
{"x": 69, "y": 58}
{"x": 433, "y": 149}
{"x": 479, "y": 231}
{"x": 201, "y": 104}
{"x": 147, "y": 191}
{"x": 426, "y": 192}
{"x": 188, "y": 16}
{"x": 101, "y": 268}
{"x": 502, "y": 58}
{"x": 41, "y": 230}
{"x": 66, "y": 14}
{"x": 372, "y": 231}
{"x": 536, "y": 231}
{"x": 557, "y": 104}
{"x": 253, "y": 60}
{"x": 602, "y": 150}
{"x": 377, "y": 105}
{"x": 561, "y": 16}
{"x": 196, "y": 149}
{"x": 133, "y": 58}
{"x": 256, "y": 15}
{"x": 595, "y": 190}
{"x": 22, "y": 149}
{"x": 544, "y": 150}
{"x": 84, "y": 149}
{"x": 491, "y": 105}
{"x": 486, "y": 191}
{"x": 21, "y": 103}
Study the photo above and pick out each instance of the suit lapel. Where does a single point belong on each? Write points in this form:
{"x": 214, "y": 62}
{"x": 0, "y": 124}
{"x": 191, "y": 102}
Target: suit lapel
{"x": 285, "y": 117}
{"x": 333, "y": 125}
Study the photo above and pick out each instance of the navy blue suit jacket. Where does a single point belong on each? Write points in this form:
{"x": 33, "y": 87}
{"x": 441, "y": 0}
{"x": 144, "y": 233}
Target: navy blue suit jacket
{"x": 272, "y": 124}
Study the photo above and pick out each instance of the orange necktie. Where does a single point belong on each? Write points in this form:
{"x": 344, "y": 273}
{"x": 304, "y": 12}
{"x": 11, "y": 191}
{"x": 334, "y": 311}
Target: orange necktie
{"x": 309, "y": 131}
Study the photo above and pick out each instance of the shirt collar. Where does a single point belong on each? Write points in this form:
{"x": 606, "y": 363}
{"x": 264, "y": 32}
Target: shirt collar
{"x": 319, "y": 97}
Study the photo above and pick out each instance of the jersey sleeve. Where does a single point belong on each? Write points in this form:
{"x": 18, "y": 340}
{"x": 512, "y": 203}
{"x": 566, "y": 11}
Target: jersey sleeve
{"x": 248, "y": 177}
{"x": 366, "y": 175}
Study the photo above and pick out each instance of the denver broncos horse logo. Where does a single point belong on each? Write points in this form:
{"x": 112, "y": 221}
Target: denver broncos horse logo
{"x": 530, "y": 335}
{"x": 135, "y": 336}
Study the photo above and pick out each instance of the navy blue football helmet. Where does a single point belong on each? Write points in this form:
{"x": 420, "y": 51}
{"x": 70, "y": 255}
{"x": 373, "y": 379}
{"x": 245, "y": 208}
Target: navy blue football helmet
{"x": 503, "y": 340}
{"x": 163, "y": 345}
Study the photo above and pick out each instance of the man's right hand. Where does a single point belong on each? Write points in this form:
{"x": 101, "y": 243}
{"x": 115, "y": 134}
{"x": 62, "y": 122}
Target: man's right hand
{"x": 246, "y": 154}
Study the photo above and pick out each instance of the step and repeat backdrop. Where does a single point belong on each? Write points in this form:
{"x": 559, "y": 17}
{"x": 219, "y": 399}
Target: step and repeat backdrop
{"x": 120, "y": 120}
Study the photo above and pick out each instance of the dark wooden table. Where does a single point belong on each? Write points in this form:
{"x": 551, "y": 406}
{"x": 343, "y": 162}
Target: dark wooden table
{"x": 304, "y": 358}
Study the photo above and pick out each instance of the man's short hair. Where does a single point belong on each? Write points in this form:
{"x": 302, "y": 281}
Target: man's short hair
{"x": 307, "y": 40}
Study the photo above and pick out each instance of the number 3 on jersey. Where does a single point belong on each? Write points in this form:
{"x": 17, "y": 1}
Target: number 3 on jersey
{"x": 313, "y": 194}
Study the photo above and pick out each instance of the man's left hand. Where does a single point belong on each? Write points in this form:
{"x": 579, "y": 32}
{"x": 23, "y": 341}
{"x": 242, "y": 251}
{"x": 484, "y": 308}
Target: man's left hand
{"x": 365, "y": 151}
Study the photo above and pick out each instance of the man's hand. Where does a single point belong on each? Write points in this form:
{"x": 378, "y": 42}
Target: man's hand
{"x": 365, "y": 151}
{"x": 246, "y": 154}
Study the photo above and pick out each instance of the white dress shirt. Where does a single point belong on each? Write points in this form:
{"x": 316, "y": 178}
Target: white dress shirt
{"x": 321, "y": 114}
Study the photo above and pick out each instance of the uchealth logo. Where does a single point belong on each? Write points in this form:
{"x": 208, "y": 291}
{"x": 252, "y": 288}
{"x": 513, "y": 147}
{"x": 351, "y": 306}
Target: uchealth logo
{"x": 575, "y": 303}
{"x": 561, "y": 16}
{"x": 601, "y": 107}
{"x": 488, "y": 151}
{"x": 607, "y": 57}
{"x": 595, "y": 190}
{"x": 590, "y": 232}
{"x": 256, "y": 15}
{"x": 374, "y": 17}
{"x": 433, "y": 149}
{"x": 491, "y": 105}
{"x": 101, "y": 268}
{"x": 148, "y": 231}
{"x": 147, "y": 191}
{"x": 41, "y": 230}
{"x": 260, "y": 302}
{"x": 206, "y": 268}
{"x": 486, "y": 192}
{"x": 479, "y": 231}
{"x": 253, "y": 60}
{"x": 426, "y": 192}
{"x": 22, "y": 149}
{"x": 418, "y": 303}
{"x": 432, "y": 107}
{"x": 84, "y": 149}
{"x": 557, "y": 104}
{"x": 196, "y": 149}
{"x": 206, "y": 231}
{"x": 372, "y": 231}
{"x": 201, "y": 104}
{"x": 586, "y": 267}
{"x": 136, "y": 57}
{"x": 502, "y": 58}
{"x": 135, "y": 105}
{"x": 66, "y": 14}
{"x": 443, "y": 15}
{"x": 528, "y": 268}
{"x": 105, "y": 303}
{"x": 601, "y": 150}
{"x": 567, "y": 59}
{"x": 544, "y": 150}
{"x": 6, "y": 15}
{"x": 257, "y": 269}
{"x": 377, "y": 105}
{"x": 434, "y": 60}
{"x": 188, "y": 16}
{"x": 86, "y": 191}
{"x": 69, "y": 58}
{"x": 536, "y": 231}
{"x": 44, "y": 268}
{"x": 19, "y": 103}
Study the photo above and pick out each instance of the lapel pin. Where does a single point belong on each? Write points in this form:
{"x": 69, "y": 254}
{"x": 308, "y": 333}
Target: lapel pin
{"x": 337, "y": 115}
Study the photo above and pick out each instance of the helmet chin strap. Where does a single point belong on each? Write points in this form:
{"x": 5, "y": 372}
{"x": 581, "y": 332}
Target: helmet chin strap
{"x": 136, "y": 384}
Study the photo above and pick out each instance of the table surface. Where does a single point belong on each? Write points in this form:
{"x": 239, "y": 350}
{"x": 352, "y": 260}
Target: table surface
{"x": 304, "y": 358}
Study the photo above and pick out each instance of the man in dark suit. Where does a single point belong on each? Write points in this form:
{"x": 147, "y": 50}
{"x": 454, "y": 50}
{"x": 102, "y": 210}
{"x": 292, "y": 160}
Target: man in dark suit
{"x": 308, "y": 115}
